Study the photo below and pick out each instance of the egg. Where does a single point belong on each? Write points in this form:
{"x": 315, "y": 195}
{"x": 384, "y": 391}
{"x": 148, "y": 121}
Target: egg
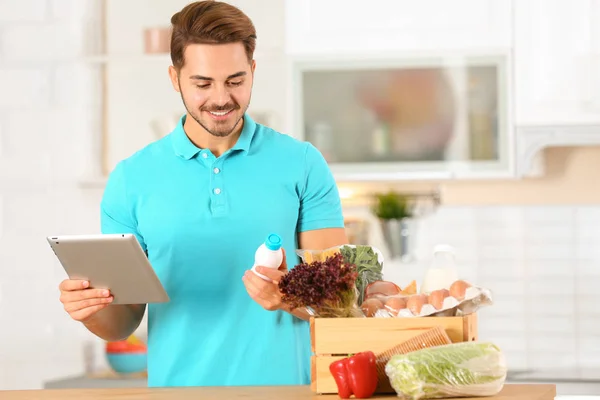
{"x": 371, "y": 306}
{"x": 458, "y": 289}
{"x": 416, "y": 302}
{"x": 436, "y": 298}
{"x": 385, "y": 288}
{"x": 394, "y": 304}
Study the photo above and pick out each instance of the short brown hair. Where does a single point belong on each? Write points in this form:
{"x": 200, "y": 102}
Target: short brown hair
{"x": 210, "y": 22}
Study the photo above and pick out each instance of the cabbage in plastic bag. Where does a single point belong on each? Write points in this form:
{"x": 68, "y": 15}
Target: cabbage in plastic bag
{"x": 469, "y": 369}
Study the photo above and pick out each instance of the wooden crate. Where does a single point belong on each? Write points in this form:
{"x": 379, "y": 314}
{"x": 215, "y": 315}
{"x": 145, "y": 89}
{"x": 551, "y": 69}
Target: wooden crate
{"x": 335, "y": 338}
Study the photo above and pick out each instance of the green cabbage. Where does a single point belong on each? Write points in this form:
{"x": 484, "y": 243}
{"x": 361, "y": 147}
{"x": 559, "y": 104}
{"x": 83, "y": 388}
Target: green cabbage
{"x": 454, "y": 370}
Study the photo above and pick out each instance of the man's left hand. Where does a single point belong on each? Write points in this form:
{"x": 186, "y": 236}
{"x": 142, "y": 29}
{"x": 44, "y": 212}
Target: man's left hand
{"x": 266, "y": 293}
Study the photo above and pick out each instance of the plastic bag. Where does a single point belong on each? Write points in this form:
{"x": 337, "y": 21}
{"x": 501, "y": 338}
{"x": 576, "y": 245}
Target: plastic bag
{"x": 368, "y": 261}
{"x": 469, "y": 369}
{"x": 462, "y": 299}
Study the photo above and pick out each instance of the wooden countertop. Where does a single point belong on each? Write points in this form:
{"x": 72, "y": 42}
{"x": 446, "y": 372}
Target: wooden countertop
{"x": 510, "y": 392}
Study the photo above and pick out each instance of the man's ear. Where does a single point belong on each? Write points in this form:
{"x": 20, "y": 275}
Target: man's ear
{"x": 253, "y": 67}
{"x": 174, "y": 75}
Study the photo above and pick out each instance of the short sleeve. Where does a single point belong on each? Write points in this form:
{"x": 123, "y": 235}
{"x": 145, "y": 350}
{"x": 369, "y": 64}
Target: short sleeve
{"x": 116, "y": 209}
{"x": 320, "y": 204}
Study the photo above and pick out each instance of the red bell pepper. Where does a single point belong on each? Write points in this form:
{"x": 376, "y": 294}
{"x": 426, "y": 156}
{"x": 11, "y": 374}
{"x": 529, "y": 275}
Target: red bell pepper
{"x": 355, "y": 375}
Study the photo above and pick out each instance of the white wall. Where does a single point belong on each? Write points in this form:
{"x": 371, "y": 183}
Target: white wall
{"x": 543, "y": 266}
{"x": 47, "y": 129}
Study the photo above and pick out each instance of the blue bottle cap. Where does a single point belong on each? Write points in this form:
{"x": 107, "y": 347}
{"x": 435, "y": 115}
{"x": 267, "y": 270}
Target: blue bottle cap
{"x": 273, "y": 242}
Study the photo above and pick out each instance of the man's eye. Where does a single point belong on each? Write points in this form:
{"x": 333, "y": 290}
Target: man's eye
{"x": 202, "y": 86}
{"x": 238, "y": 83}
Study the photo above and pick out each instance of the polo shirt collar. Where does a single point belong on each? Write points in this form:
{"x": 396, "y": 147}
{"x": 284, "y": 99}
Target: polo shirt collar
{"x": 184, "y": 147}
{"x": 245, "y": 139}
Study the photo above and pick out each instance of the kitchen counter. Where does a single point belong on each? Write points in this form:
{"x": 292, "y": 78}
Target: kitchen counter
{"x": 571, "y": 375}
{"x": 98, "y": 381}
{"x": 509, "y": 392}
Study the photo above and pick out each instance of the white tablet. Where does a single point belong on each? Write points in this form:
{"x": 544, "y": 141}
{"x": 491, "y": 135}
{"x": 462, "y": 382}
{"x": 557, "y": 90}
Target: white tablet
{"x": 110, "y": 261}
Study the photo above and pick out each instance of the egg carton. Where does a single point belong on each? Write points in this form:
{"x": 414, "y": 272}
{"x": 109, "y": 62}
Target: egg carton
{"x": 419, "y": 305}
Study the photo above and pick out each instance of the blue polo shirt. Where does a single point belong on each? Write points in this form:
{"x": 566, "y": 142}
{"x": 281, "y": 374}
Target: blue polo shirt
{"x": 200, "y": 219}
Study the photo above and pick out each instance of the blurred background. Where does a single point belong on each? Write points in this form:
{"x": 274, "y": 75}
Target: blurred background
{"x": 473, "y": 123}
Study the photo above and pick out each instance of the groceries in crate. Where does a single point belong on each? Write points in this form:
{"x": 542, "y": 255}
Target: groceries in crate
{"x": 368, "y": 261}
{"x": 427, "y": 366}
{"x": 460, "y": 298}
{"x": 356, "y": 375}
{"x": 332, "y": 282}
{"x": 324, "y": 288}
{"x": 326, "y": 283}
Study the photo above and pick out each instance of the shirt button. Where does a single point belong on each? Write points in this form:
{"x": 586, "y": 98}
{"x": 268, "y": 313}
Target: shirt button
{"x": 217, "y": 191}
{"x": 204, "y": 155}
{"x": 216, "y": 170}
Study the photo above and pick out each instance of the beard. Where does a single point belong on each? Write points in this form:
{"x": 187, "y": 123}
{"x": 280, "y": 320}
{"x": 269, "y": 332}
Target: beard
{"x": 217, "y": 128}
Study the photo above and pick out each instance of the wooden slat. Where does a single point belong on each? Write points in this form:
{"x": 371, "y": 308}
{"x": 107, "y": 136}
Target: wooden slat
{"x": 470, "y": 331}
{"x": 339, "y": 336}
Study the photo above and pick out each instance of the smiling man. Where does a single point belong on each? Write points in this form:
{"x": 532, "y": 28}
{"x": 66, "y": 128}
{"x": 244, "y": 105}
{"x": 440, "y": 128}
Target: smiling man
{"x": 201, "y": 201}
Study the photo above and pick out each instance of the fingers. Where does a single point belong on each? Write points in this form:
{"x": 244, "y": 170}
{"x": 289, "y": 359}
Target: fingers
{"x": 261, "y": 291}
{"x": 80, "y": 305}
{"x": 85, "y": 313}
{"x": 73, "y": 284}
{"x": 80, "y": 301}
{"x": 274, "y": 274}
{"x": 84, "y": 294}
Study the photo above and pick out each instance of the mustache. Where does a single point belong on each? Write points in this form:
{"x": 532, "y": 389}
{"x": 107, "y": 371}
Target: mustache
{"x": 226, "y": 107}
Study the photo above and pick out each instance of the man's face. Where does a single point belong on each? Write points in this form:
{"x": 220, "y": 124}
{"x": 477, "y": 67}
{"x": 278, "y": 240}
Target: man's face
{"x": 215, "y": 84}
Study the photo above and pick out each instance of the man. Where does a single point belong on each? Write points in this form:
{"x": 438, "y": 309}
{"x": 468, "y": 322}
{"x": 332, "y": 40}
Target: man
{"x": 201, "y": 201}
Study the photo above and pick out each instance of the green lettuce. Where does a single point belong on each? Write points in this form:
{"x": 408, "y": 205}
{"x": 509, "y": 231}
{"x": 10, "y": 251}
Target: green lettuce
{"x": 367, "y": 265}
{"x": 455, "y": 370}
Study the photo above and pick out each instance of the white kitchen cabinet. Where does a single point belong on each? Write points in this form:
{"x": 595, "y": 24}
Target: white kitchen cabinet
{"x": 557, "y": 78}
{"x": 405, "y": 117}
{"x": 351, "y": 26}
{"x": 403, "y": 90}
{"x": 557, "y": 62}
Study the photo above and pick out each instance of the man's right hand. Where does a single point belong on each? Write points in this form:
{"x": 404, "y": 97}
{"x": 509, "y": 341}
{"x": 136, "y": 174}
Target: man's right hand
{"x": 80, "y": 301}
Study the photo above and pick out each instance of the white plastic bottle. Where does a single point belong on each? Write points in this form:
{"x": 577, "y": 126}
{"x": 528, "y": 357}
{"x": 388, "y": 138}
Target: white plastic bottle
{"x": 442, "y": 272}
{"x": 269, "y": 254}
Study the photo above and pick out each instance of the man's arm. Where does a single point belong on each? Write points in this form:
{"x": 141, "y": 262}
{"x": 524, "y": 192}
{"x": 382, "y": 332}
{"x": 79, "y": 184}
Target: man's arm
{"x": 321, "y": 239}
{"x": 321, "y": 222}
{"x": 320, "y": 226}
{"x": 116, "y": 322}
